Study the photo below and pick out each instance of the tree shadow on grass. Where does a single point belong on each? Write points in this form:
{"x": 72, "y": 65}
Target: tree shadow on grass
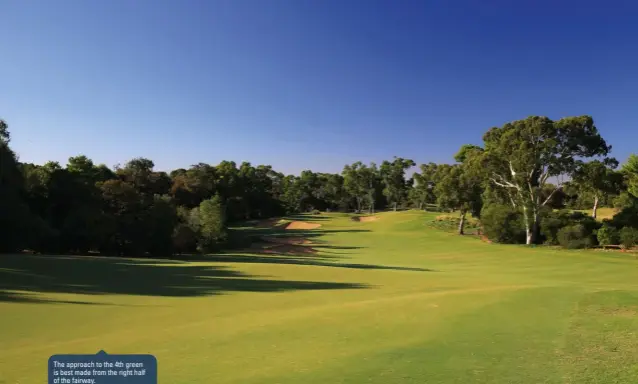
{"x": 111, "y": 275}
{"x": 252, "y": 234}
{"x": 301, "y": 247}
{"x": 300, "y": 259}
{"x": 306, "y": 217}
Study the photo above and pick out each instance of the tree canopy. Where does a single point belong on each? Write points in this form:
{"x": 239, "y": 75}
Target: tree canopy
{"x": 533, "y": 165}
{"x": 520, "y": 157}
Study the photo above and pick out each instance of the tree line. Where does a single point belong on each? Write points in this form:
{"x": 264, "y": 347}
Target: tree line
{"x": 514, "y": 182}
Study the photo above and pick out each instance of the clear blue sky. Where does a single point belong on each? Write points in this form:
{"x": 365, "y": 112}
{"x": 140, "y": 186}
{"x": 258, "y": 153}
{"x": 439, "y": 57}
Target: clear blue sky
{"x": 302, "y": 84}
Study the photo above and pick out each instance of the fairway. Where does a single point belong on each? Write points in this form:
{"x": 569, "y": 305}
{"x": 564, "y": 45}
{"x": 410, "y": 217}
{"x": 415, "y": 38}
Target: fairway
{"x": 359, "y": 301}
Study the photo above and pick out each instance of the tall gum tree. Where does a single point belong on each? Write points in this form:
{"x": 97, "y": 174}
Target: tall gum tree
{"x": 520, "y": 157}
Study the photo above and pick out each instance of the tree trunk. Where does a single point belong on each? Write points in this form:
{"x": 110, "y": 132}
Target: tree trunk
{"x": 462, "y": 222}
{"x": 420, "y": 206}
{"x": 529, "y": 232}
{"x": 593, "y": 213}
{"x": 395, "y": 206}
{"x": 536, "y": 228}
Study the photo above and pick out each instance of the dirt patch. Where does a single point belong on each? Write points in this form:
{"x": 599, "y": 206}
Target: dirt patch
{"x": 302, "y": 225}
{"x": 365, "y": 219}
{"x": 485, "y": 239}
{"x": 631, "y": 311}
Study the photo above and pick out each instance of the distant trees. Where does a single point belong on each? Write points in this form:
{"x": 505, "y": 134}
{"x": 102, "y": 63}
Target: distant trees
{"x": 15, "y": 216}
{"x": 212, "y": 224}
{"x": 459, "y": 186}
{"x": 395, "y": 188}
{"x": 513, "y": 183}
{"x": 363, "y": 183}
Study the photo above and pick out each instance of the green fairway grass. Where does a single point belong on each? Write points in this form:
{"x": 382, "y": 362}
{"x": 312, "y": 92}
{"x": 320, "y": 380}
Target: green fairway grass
{"x": 386, "y": 301}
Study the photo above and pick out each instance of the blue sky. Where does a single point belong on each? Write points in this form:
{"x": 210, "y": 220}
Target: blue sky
{"x": 302, "y": 84}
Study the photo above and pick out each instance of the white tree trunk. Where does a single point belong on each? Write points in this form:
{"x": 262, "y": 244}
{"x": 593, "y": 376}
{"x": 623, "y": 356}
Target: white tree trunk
{"x": 395, "y": 206}
{"x": 462, "y": 222}
{"x": 536, "y": 227}
{"x": 529, "y": 233}
{"x": 594, "y": 211}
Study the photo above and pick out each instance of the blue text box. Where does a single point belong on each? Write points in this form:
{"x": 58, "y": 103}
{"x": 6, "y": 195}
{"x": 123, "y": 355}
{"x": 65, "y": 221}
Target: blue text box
{"x": 102, "y": 368}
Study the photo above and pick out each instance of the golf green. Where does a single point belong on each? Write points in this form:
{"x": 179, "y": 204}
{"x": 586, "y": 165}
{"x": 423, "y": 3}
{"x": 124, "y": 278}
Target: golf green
{"x": 380, "y": 301}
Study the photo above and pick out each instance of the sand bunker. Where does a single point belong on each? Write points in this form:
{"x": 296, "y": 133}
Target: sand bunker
{"x": 365, "y": 219}
{"x": 302, "y": 225}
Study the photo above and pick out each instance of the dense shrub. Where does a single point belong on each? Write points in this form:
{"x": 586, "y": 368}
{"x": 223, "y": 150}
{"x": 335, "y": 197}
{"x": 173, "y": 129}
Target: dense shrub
{"x": 627, "y": 217}
{"x": 625, "y": 200}
{"x": 502, "y": 224}
{"x": 213, "y": 225}
{"x": 184, "y": 238}
{"x": 608, "y": 235}
{"x": 575, "y": 237}
{"x": 553, "y": 222}
{"x": 629, "y": 237}
{"x": 316, "y": 212}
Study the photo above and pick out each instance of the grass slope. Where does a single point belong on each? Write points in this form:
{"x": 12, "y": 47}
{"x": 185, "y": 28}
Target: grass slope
{"x": 601, "y": 214}
{"x": 389, "y": 301}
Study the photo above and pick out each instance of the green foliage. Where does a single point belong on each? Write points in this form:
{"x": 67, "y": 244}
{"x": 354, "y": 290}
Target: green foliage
{"x": 135, "y": 210}
{"x": 184, "y": 238}
{"x": 627, "y": 217}
{"x": 630, "y": 170}
{"x": 608, "y": 235}
{"x": 502, "y": 224}
{"x": 553, "y": 222}
{"x": 629, "y": 237}
{"x": 523, "y": 155}
{"x": 625, "y": 200}
{"x": 458, "y": 189}
{"x": 316, "y": 212}
{"x": 212, "y": 224}
{"x": 466, "y": 151}
{"x": 575, "y": 236}
{"x": 393, "y": 176}
{"x": 5, "y": 136}
{"x": 162, "y": 218}
{"x": 363, "y": 184}
{"x": 16, "y": 220}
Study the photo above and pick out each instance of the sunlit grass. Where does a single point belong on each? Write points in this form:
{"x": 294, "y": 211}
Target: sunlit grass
{"x": 601, "y": 213}
{"x": 388, "y": 301}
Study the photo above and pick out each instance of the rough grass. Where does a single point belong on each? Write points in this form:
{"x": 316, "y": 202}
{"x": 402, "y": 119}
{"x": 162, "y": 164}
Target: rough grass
{"x": 601, "y": 214}
{"x": 450, "y": 223}
{"x": 393, "y": 301}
